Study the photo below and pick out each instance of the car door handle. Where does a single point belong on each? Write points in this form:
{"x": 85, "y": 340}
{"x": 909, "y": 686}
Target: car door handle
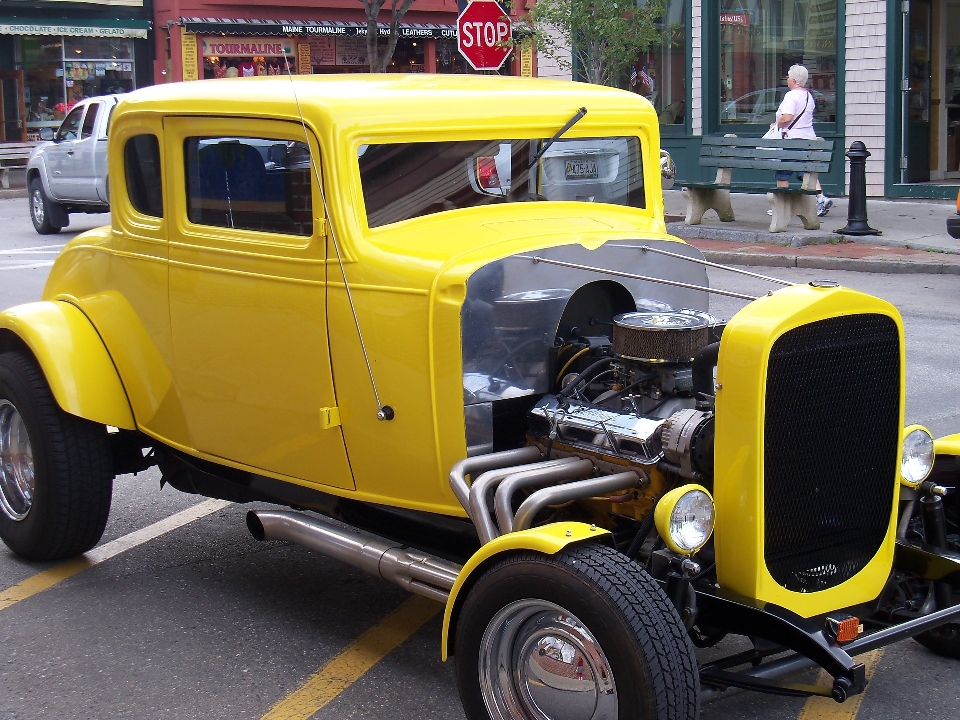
{"x": 69, "y": 152}
{"x": 57, "y": 172}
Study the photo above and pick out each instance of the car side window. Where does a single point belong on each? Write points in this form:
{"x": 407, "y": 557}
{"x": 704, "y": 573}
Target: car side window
{"x": 70, "y": 127}
{"x": 90, "y": 120}
{"x": 141, "y": 160}
{"x": 249, "y": 184}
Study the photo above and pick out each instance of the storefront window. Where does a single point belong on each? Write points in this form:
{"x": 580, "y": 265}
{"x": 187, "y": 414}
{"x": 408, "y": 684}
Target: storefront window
{"x": 408, "y": 56}
{"x": 660, "y": 73}
{"x": 87, "y": 78}
{"x": 759, "y": 41}
{"x": 44, "y": 91}
{"x": 61, "y": 71}
{"x": 225, "y": 57}
{"x": 449, "y": 59}
{"x": 97, "y": 47}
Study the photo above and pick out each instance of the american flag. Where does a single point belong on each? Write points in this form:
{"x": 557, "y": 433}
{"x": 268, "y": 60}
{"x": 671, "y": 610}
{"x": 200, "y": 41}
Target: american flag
{"x": 645, "y": 79}
{"x": 633, "y": 75}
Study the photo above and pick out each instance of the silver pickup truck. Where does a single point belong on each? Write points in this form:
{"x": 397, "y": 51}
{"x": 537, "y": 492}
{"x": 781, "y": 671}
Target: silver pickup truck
{"x": 68, "y": 174}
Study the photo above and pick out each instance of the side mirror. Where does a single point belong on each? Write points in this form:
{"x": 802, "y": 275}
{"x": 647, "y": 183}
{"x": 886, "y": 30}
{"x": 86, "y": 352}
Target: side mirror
{"x": 668, "y": 170}
{"x": 46, "y": 133}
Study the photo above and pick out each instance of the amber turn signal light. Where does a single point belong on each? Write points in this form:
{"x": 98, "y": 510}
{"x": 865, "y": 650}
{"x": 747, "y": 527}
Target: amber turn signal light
{"x": 843, "y": 628}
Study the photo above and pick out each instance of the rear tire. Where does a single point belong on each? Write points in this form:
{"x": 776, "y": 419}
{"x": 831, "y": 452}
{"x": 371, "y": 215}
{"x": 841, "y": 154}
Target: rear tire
{"x": 611, "y": 642}
{"x": 56, "y": 476}
{"x": 44, "y": 213}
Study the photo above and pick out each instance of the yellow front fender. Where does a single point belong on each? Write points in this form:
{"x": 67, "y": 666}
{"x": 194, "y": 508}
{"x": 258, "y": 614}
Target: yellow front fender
{"x": 948, "y": 445}
{"x": 549, "y": 540}
{"x": 73, "y": 359}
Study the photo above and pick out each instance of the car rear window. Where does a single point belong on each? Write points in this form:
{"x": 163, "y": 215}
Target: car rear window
{"x": 90, "y": 120}
{"x": 407, "y": 180}
{"x": 249, "y": 184}
{"x": 141, "y": 161}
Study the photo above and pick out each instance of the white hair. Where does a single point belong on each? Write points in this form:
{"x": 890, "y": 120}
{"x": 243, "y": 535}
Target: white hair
{"x": 799, "y": 74}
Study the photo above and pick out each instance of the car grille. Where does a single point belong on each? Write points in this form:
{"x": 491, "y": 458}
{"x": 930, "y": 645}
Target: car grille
{"x": 831, "y": 435}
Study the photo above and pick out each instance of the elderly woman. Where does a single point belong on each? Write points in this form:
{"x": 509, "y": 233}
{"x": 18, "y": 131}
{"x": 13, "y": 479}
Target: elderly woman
{"x": 795, "y": 120}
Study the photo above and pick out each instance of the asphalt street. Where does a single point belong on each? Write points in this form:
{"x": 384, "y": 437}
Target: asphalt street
{"x": 204, "y": 622}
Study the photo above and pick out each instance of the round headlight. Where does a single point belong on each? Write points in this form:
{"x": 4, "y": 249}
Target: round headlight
{"x": 918, "y": 455}
{"x": 684, "y": 518}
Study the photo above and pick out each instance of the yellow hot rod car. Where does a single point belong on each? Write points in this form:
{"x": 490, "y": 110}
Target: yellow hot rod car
{"x": 446, "y": 313}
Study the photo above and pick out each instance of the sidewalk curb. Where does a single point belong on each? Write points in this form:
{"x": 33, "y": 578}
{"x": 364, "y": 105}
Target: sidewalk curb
{"x": 707, "y": 232}
{"x": 897, "y": 267}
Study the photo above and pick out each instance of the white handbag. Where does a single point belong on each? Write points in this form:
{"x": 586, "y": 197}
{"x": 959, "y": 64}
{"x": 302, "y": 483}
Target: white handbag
{"x": 774, "y": 133}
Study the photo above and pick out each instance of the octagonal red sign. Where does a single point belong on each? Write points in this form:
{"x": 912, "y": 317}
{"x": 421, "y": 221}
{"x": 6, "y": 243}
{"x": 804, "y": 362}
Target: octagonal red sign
{"x": 483, "y": 28}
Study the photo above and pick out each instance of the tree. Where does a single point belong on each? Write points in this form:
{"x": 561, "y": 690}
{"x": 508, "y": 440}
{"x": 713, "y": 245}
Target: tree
{"x": 604, "y": 36}
{"x": 398, "y": 8}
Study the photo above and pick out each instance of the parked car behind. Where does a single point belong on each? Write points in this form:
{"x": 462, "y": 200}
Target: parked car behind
{"x": 953, "y": 222}
{"x": 68, "y": 173}
{"x": 760, "y": 107}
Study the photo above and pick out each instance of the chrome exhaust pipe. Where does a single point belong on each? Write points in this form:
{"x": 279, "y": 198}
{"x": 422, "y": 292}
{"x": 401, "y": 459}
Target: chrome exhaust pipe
{"x": 569, "y": 491}
{"x": 482, "y": 463}
{"x": 416, "y": 571}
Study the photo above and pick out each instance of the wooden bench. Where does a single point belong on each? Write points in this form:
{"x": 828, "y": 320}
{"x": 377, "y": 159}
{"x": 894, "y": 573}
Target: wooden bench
{"x": 810, "y": 157}
{"x": 14, "y": 154}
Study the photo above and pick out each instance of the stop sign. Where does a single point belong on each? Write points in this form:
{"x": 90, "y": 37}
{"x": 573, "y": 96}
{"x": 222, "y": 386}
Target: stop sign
{"x": 483, "y": 28}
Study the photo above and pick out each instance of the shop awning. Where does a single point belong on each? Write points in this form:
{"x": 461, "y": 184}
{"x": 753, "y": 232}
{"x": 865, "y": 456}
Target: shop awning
{"x": 308, "y": 28}
{"x": 82, "y": 28}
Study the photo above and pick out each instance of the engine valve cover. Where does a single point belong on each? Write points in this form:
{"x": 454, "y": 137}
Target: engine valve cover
{"x": 597, "y": 429}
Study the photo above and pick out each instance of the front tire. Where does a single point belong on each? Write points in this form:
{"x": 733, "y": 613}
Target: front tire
{"x": 43, "y": 211}
{"x": 56, "y": 476}
{"x": 579, "y": 635}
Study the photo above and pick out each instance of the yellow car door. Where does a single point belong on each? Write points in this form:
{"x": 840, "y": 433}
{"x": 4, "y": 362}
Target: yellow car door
{"x": 248, "y": 297}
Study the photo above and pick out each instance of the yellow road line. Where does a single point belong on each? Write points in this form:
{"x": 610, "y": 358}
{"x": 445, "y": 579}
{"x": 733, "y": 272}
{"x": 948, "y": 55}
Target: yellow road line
{"x": 819, "y": 708}
{"x": 48, "y": 578}
{"x": 351, "y": 664}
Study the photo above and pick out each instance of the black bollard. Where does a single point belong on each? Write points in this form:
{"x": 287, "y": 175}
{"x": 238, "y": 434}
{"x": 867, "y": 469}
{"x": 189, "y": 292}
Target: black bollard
{"x": 857, "y": 205}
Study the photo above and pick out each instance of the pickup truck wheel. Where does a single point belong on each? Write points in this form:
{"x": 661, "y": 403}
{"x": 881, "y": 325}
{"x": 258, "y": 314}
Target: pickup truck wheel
{"x": 580, "y": 635}
{"x": 56, "y": 475}
{"x": 944, "y": 640}
{"x": 42, "y": 211}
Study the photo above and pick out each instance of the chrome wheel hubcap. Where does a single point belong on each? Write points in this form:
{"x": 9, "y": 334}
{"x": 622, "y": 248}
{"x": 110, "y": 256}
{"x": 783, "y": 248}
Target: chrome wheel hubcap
{"x": 539, "y": 662}
{"x": 17, "y": 482}
{"x": 37, "y": 206}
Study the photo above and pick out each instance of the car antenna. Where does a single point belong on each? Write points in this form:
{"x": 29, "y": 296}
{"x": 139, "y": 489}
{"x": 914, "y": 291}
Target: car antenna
{"x": 384, "y": 412}
{"x": 532, "y": 181}
{"x": 557, "y": 135}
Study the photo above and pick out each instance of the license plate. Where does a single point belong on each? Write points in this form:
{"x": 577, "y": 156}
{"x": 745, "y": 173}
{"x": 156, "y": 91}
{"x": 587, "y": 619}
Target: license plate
{"x": 582, "y": 169}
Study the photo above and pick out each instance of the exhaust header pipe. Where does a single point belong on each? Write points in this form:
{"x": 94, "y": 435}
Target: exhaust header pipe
{"x": 413, "y": 570}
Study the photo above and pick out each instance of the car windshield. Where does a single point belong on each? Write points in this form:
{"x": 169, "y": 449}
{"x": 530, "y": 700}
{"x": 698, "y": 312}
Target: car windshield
{"x": 407, "y": 180}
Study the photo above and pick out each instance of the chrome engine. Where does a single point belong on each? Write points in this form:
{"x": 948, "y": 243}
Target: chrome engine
{"x": 592, "y": 367}
{"x": 638, "y": 402}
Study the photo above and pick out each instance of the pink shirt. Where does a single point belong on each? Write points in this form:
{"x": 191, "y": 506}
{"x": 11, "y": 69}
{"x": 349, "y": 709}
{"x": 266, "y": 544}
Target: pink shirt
{"x": 793, "y": 105}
